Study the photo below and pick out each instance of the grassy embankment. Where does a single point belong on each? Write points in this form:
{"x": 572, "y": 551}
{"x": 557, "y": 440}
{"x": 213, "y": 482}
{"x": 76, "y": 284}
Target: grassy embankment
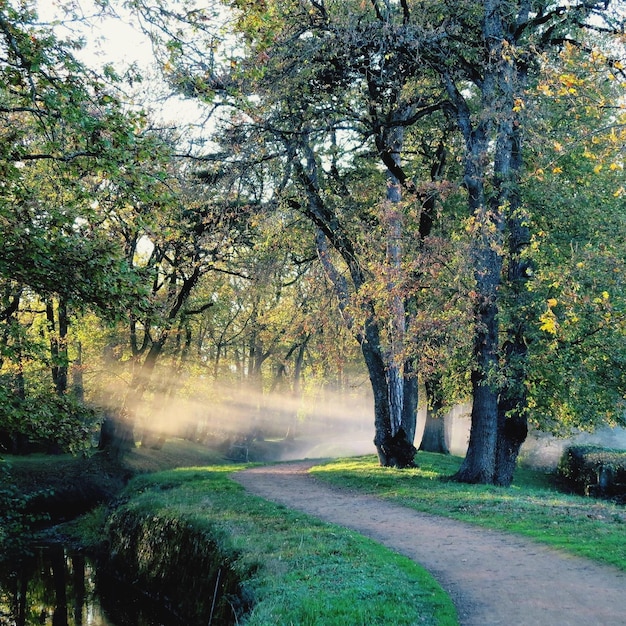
{"x": 532, "y": 506}
{"x": 298, "y": 570}
{"x": 306, "y": 572}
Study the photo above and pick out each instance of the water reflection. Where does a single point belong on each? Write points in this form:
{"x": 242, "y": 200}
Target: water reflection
{"x": 57, "y": 587}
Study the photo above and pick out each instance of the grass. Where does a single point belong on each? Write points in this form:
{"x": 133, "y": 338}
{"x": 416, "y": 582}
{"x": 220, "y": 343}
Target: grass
{"x": 304, "y": 571}
{"x": 307, "y": 572}
{"x": 532, "y": 507}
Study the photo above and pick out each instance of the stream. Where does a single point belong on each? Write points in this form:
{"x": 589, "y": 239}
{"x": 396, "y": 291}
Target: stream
{"x": 55, "y": 586}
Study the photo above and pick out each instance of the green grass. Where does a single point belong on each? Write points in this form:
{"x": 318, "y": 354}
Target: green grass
{"x": 304, "y": 571}
{"x": 532, "y": 507}
{"x": 307, "y": 572}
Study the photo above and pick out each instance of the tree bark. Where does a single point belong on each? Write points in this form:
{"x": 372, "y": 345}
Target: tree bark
{"x": 486, "y": 257}
{"x": 512, "y": 404}
{"x": 78, "y": 385}
{"x": 410, "y": 400}
{"x": 498, "y": 380}
{"x": 58, "y": 325}
{"x": 393, "y": 140}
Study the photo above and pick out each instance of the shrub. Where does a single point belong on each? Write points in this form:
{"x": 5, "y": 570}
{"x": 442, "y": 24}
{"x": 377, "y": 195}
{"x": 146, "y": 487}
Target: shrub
{"x": 44, "y": 422}
{"x": 16, "y": 522}
{"x": 594, "y": 471}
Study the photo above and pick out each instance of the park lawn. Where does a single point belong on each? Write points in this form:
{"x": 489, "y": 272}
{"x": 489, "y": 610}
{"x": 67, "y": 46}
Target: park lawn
{"x": 532, "y": 506}
{"x": 297, "y": 570}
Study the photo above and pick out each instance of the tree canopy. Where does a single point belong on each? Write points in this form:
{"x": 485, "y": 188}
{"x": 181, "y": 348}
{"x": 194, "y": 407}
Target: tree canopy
{"x": 449, "y": 176}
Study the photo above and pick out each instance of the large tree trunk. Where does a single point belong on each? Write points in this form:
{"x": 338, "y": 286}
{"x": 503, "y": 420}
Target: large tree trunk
{"x": 479, "y": 465}
{"x": 512, "y": 432}
{"x": 499, "y": 410}
{"x": 393, "y": 141}
{"x": 394, "y": 448}
{"x": 410, "y": 401}
{"x": 512, "y": 408}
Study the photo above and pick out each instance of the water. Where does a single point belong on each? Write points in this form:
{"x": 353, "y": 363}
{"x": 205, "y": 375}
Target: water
{"x": 59, "y": 587}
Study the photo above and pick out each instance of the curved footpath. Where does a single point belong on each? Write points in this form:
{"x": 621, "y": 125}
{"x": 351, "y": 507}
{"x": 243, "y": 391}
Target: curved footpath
{"x": 492, "y": 577}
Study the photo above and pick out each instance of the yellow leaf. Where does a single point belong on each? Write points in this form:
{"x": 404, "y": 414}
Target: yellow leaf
{"x": 548, "y": 322}
{"x": 545, "y": 90}
{"x": 597, "y": 169}
{"x": 557, "y": 170}
{"x": 605, "y": 295}
{"x": 552, "y": 302}
{"x": 569, "y": 80}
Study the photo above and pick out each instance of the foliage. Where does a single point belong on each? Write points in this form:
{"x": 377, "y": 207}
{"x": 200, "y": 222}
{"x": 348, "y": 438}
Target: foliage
{"x": 574, "y": 198}
{"x": 533, "y": 507}
{"x": 67, "y": 140}
{"x": 591, "y": 470}
{"x": 44, "y": 421}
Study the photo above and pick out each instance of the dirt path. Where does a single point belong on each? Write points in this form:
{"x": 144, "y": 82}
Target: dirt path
{"x": 493, "y": 578}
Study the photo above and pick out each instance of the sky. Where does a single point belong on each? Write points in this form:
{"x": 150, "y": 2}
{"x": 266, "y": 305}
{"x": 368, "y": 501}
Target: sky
{"x": 120, "y": 42}
{"x": 108, "y": 40}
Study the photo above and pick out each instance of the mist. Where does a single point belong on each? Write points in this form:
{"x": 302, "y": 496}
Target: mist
{"x": 322, "y": 422}
{"x": 270, "y": 426}
{"x": 540, "y": 450}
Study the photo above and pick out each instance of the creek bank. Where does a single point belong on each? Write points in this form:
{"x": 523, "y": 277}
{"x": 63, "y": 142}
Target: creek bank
{"x": 188, "y": 569}
{"x": 166, "y": 560}
{"x": 54, "y": 490}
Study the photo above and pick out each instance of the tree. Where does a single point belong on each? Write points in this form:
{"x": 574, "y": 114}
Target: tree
{"x": 63, "y": 129}
{"x": 500, "y": 68}
{"x": 350, "y": 92}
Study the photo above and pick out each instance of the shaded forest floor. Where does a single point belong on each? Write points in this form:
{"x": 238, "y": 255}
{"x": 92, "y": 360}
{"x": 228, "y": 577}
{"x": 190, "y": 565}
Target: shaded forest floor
{"x": 66, "y": 485}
